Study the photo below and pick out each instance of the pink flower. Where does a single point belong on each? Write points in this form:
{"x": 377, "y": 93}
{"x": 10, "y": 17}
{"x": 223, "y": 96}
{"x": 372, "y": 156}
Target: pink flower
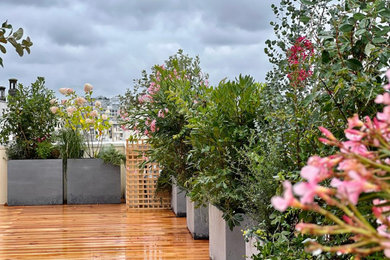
{"x": 354, "y": 147}
{"x": 354, "y": 122}
{"x": 351, "y": 189}
{"x": 386, "y": 246}
{"x": 145, "y": 98}
{"x": 327, "y": 133}
{"x": 88, "y": 88}
{"x": 153, "y": 126}
{"x": 89, "y": 121}
{"x": 161, "y": 113}
{"x": 383, "y": 231}
{"x": 385, "y": 115}
{"x": 282, "y": 203}
{"x": 53, "y": 101}
{"x": 353, "y": 134}
{"x": 98, "y": 103}
{"x": 307, "y": 191}
{"x": 104, "y": 117}
{"x": 383, "y": 99}
{"x": 310, "y": 173}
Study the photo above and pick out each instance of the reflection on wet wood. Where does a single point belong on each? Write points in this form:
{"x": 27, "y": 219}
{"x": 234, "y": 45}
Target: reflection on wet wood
{"x": 95, "y": 232}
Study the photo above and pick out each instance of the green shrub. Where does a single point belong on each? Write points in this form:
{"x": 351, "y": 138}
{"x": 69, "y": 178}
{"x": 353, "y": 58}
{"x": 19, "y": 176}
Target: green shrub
{"x": 28, "y": 120}
{"x": 71, "y": 144}
{"x": 110, "y": 155}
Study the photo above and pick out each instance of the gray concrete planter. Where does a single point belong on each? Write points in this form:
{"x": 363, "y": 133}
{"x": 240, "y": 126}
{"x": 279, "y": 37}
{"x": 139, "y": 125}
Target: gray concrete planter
{"x": 197, "y": 220}
{"x": 91, "y": 181}
{"x": 34, "y": 182}
{"x": 178, "y": 200}
{"x": 224, "y": 244}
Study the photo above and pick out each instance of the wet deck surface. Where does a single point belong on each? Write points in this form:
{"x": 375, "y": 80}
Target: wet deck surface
{"x": 95, "y": 232}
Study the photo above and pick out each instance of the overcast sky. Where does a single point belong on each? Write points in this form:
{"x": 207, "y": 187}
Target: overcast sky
{"x": 109, "y": 42}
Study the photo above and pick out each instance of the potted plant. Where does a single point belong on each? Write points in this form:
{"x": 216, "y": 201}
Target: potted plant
{"x": 88, "y": 180}
{"x": 34, "y": 170}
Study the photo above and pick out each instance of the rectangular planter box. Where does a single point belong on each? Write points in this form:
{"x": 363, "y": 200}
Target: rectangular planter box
{"x": 91, "y": 181}
{"x": 178, "y": 201}
{"x": 34, "y": 182}
{"x": 197, "y": 220}
{"x": 224, "y": 244}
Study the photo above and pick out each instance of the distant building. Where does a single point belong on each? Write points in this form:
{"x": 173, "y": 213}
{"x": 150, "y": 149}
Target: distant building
{"x": 112, "y": 106}
{"x": 3, "y": 101}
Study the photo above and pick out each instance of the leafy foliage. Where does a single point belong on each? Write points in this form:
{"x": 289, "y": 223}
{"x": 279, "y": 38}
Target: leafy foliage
{"x": 151, "y": 110}
{"x": 110, "y": 155}
{"x": 71, "y": 144}
{"x": 221, "y": 127}
{"x": 28, "y": 120}
{"x": 7, "y": 35}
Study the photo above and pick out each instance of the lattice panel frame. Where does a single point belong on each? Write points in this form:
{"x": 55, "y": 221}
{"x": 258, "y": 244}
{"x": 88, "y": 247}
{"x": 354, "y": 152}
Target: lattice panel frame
{"x": 141, "y": 183}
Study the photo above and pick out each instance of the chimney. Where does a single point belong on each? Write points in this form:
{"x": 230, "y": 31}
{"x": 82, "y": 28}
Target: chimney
{"x": 2, "y": 93}
{"x": 12, "y": 87}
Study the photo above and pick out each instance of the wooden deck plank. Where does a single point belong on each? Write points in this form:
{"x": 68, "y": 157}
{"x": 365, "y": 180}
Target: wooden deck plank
{"x": 95, "y": 232}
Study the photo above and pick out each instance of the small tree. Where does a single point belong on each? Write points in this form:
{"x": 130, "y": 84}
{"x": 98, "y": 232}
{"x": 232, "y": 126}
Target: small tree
{"x": 28, "y": 120}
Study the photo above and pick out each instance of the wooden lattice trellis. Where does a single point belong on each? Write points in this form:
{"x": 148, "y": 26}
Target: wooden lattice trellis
{"x": 141, "y": 183}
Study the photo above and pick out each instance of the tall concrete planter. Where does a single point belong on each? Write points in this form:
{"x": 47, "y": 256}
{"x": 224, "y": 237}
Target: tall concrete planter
{"x": 224, "y": 244}
{"x": 34, "y": 182}
{"x": 197, "y": 220}
{"x": 178, "y": 200}
{"x": 91, "y": 181}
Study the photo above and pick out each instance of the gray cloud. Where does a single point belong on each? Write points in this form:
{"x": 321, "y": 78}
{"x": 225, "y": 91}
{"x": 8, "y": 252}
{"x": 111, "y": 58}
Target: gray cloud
{"x": 109, "y": 43}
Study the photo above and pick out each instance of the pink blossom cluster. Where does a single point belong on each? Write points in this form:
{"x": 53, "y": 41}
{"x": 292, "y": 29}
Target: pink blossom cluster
{"x": 362, "y": 166}
{"x": 162, "y": 112}
{"x": 298, "y": 56}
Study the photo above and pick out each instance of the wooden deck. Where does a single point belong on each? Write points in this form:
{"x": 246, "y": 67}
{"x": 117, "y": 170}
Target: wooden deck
{"x": 95, "y": 232}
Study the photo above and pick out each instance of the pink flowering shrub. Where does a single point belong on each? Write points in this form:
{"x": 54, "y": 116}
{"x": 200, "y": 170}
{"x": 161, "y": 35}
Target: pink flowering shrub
{"x": 358, "y": 171}
{"x": 150, "y": 112}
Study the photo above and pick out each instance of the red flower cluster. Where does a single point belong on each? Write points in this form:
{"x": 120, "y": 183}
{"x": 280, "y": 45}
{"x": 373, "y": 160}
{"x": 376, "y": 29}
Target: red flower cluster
{"x": 298, "y": 55}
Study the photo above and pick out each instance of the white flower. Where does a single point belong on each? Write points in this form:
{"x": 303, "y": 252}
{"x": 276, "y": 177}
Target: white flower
{"x": 66, "y": 91}
{"x": 53, "y": 101}
{"x": 89, "y": 121}
{"x": 70, "y": 110}
{"x": 98, "y": 104}
{"x": 62, "y": 91}
{"x": 104, "y": 117}
{"x": 94, "y": 113}
{"x": 80, "y": 101}
{"x": 87, "y": 87}
{"x": 54, "y": 109}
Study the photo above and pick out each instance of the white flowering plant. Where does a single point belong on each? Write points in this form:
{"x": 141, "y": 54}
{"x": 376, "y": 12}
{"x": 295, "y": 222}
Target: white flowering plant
{"x": 84, "y": 115}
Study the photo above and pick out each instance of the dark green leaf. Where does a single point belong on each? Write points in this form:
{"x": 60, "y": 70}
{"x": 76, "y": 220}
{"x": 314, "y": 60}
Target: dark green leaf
{"x": 346, "y": 27}
{"x": 325, "y": 57}
{"x": 379, "y": 40}
{"x": 358, "y": 16}
{"x": 354, "y": 64}
{"x": 306, "y": 2}
{"x": 304, "y": 19}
